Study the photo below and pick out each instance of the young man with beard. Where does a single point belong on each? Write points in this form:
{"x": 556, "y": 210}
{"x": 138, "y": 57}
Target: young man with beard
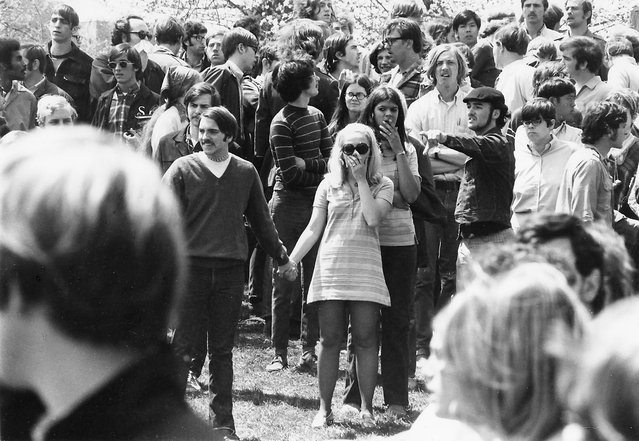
{"x": 17, "y": 104}
{"x": 67, "y": 66}
{"x": 486, "y": 190}
{"x": 186, "y": 141}
{"x": 208, "y": 184}
{"x": 586, "y": 186}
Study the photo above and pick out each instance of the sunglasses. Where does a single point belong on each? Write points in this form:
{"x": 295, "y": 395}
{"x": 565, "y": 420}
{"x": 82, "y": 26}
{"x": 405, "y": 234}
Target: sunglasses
{"x": 349, "y": 149}
{"x": 142, "y": 34}
{"x": 122, "y": 63}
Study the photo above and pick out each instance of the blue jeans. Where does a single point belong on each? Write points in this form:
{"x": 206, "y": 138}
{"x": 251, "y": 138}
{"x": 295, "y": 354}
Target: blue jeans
{"x": 399, "y": 265}
{"x": 436, "y": 283}
{"x": 291, "y": 211}
{"x": 212, "y": 304}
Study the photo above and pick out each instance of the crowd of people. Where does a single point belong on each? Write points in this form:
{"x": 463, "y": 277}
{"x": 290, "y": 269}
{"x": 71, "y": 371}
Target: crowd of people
{"x": 450, "y": 207}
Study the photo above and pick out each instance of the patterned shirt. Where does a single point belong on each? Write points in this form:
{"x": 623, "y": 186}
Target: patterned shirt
{"x": 119, "y": 111}
{"x": 302, "y": 133}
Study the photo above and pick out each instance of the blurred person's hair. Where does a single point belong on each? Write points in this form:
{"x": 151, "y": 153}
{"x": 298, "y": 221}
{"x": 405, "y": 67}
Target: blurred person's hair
{"x": 543, "y": 49}
{"x": 626, "y": 98}
{"x": 438, "y": 29}
{"x": 251, "y": 23}
{"x": 618, "y": 45}
{"x": 493, "y": 342}
{"x": 122, "y": 28}
{"x": 467, "y": 53}
{"x": 88, "y": 232}
{"x": 301, "y": 36}
{"x": 407, "y": 9}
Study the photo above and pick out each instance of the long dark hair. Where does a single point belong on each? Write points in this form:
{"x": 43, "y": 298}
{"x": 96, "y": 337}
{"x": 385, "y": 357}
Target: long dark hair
{"x": 384, "y": 93}
{"x": 340, "y": 116}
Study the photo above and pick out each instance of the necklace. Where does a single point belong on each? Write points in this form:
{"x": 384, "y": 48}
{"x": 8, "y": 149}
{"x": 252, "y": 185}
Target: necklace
{"x": 219, "y": 159}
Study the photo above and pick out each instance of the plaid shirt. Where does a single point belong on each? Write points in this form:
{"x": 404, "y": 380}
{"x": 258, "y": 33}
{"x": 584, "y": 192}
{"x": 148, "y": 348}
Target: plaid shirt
{"x": 413, "y": 82}
{"x": 119, "y": 111}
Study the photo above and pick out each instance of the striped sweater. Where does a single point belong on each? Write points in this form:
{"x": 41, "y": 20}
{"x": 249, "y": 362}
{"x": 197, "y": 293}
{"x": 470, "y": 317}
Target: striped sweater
{"x": 298, "y": 132}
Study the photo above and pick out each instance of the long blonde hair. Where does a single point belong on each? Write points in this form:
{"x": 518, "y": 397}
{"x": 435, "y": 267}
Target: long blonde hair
{"x": 337, "y": 171}
{"x": 494, "y": 339}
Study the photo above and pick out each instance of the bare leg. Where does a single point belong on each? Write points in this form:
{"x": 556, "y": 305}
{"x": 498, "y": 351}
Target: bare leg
{"x": 331, "y": 318}
{"x": 364, "y": 325}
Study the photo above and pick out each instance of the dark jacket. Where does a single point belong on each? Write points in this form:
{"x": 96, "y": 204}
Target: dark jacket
{"x": 427, "y": 207}
{"x": 486, "y": 190}
{"x": 270, "y": 103}
{"x": 142, "y": 107}
{"x": 73, "y": 77}
{"x": 173, "y": 146}
{"x": 144, "y": 402}
{"x": 226, "y": 83}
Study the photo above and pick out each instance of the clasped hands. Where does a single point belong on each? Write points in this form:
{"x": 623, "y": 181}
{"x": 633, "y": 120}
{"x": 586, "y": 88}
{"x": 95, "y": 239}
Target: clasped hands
{"x": 288, "y": 271}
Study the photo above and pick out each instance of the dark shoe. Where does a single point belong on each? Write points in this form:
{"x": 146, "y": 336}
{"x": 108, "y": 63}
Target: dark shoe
{"x": 396, "y": 410}
{"x": 277, "y": 364}
{"x": 227, "y": 434}
{"x": 308, "y": 362}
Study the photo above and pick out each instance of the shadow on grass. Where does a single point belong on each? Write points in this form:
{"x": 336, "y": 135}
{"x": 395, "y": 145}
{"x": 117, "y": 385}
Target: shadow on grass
{"x": 259, "y": 397}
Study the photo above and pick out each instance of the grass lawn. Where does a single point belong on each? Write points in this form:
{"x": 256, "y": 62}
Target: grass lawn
{"x": 281, "y": 405}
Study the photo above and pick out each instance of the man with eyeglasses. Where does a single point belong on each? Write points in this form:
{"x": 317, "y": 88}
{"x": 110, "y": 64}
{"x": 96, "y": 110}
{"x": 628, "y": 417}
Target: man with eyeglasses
{"x": 122, "y": 109}
{"x": 403, "y": 39}
{"x": 540, "y": 164}
{"x": 239, "y": 47}
{"x": 194, "y": 46}
{"x": 67, "y": 66}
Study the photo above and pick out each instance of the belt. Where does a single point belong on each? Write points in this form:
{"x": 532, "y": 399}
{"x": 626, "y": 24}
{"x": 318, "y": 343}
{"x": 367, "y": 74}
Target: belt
{"x": 479, "y": 229}
{"x": 447, "y": 185}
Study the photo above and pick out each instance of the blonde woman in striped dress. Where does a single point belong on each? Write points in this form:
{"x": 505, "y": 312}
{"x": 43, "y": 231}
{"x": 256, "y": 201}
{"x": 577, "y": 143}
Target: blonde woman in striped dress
{"x": 348, "y": 280}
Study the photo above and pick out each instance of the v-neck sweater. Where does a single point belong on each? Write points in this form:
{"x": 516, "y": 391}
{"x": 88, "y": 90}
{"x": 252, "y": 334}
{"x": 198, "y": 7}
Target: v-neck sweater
{"x": 214, "y": 208}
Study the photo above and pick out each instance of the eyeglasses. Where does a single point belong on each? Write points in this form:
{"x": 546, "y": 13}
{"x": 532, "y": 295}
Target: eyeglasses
{"x": 199, "y": 37}
{"x": 349, "y": 149}
{"x": 532, "y": 123}
{"x": 388, "y": 41}
{"x": 142, "y": 34}
{"x": 358, "y": 96}
{"x": 122, "y": 63}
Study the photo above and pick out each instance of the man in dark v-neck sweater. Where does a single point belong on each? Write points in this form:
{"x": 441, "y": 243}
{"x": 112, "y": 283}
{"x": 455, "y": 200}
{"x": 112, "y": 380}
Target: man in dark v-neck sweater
{"x": 217, "y": 190}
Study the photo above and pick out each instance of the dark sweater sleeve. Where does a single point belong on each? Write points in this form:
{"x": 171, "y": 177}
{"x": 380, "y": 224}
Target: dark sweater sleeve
{"x": 282, "y": 142}
{"x": 492, "y": 147}
{"x": 259, "y": 218}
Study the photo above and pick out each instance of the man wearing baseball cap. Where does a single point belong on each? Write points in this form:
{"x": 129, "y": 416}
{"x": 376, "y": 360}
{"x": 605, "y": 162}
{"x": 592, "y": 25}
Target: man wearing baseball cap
{"x": 486, "y": 190}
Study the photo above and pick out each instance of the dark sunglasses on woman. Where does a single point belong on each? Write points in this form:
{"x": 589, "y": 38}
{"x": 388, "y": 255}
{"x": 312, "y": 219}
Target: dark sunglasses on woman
{"x": 349, "y": 149}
